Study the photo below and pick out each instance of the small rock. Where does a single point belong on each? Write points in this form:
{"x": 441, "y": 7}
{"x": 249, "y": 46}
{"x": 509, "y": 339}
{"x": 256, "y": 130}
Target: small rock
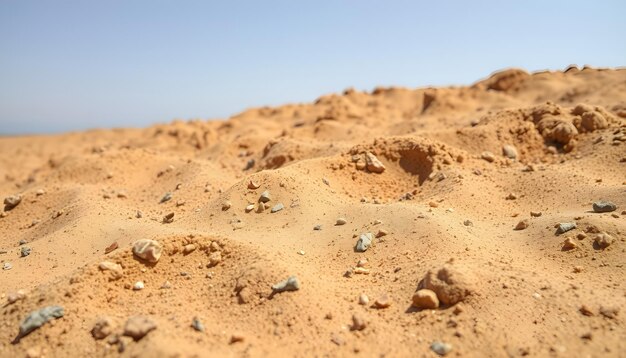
{"x": 169, "y": 218}
{"x": 468, "y": 223}
{"x": 139, "y": 285}
{"x": 578, "y": 269}
{"x": 180, "y": 202}
{"x": 381, "y": 233}
{"x": 7, "y": 266}
{"x": 433, "y": 204}
{"x": 189, "y": 248}
{"x": 278, "y": 207}
{"x": 15, "y": 296}
{"x": 236, "y": 337}
{"x": 24, "y": 251}
{"x": 603, "y": 240}
{"x": 114, "y": 269}
{"x": 373, "y": 164}
{"x": 569, "y": 244}
{"x": 265, "y": 197}
{"x": 451, "y": 284}
{"x": 226, "y": 205}
{"x": 317, "y": 227}
{"x": 166, "y": 197}
{"x": 511, "y": 196}
{"x": 441, "y": 348}
{"x": 249, "y": 208}
{"x": 363, "y": 299}
{"x": 509, "y": 151}
{"x": 362, "y": 262}
{"x": 425, "y": 299}
{"x": 22, "y": 242}
{"x": 604, "y": 206}
{"x": 360, "y": 271}
{"x": 38, "y": 318}
{"x": 215, "y": 258}
{"x": 290, "y": 284}
{"x": 523, "y": 224}
{"x": 358, "y": 322}
{"x": 111, "y": 248}
{"x": 383, "y": 301}
{"x": 102, "y": 328}
{"x": 148, "y": 250}
{"x": 40, "y": 192}
{"x": 341, "y": 221}
{"x": 488, "y": 156}
{"x": 252, "y": 185}
{"x": 138, "y": 214}
{"x": 535, "y": 214}
{"x": 364, "y": 242}
{"x": 609, "y": 311}
{"x": 197, "y": 324}
{"x": 586, "y": 310}
{"x": 138, "y": 326}
{"x": 166, "y": 285}
{"x": 565, "y": 227}
{"x": 12, "y": 201}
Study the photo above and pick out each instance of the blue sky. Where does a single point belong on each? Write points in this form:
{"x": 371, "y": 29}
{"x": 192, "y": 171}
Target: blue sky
{"x": 69, "y": 65}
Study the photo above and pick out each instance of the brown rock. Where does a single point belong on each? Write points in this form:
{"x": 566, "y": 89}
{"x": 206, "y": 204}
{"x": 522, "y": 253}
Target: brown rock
{"x": 523, "y": 224}
{"x": 383, "y": 301}
{"x": 148, "y": 250}
{"x": 569, "y": 244}
{"x": 425, "y": 299}
{"x": 449, "y": 283}
{"x": 373, "y": 164}
{"x": 102, "y": 328}
{"x": 358, "y": 322}
{"x": 603, "y": 240}
{"x": 111, "y": 248}
{"x": 138, "y": 326}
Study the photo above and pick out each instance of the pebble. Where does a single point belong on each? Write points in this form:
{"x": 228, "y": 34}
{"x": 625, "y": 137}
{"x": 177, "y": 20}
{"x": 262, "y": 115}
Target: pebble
{"x": 197, "y": 324}
{"x": 363, "y": 299}
{"x": 187, "y": 249}
{"x": 111, "y": 248}
{"x": 468, "y": 223}
{"x": 604, "y": 206}
{"x": 509, "y": 151}
{"x": 226, "y": 205}
{"x": 148, "y": 250}
{"x": 360, "y": 271}
{"x": 511, "y": 196}
{"x": 40, "y": 192}
{"x": 169, "y": 218}
{"x": 137, "y": 327}
{"x": 317, "y": 227}
{"x": 364, "y": 242}
{"x": 180, "y": 202}
{"x": 166, "y": 285}
{"x": 523, "y": 224}
{"x": 252, "y": 185}
{"x": 383, "y": 301}
{"x": 341, "y": 221}
{"x": 290, "y": 284}
{"x": 166, "y": 197}
{"x": 585, "y": 310}
{"x": 603, "y": 240}
{"x": 115, "y": 269}
{"x": 24, "y": 251}
{"x": 12, "y": 201}
{"x": 22, "y": 242}
{"x": 362, "y": 263}
{"x": 535, "y": 214}
{"x": 569, "y": 244}
{"x": 139, "y": 285}
{"x": 102, "y": 328}
{"x": 16, "y": 296}
{"x": 38, "y": 318}
{"x": 565, "y": 227}
{"x": 215, "y": 258}
{"x": 265, "y": 197}
{"x": 381, "y": 233}
{"x": 249, "y": 208}
{"x": 425, "y": 299}
{"x": 609, "y": 311}
{"x": 441, "y": 348}
{"x": 236, "y": 337}
{"x": 373, "y": 164}
{"x": 358, "y": 322}
{"x": 7, "y": 266}
{"x": 278, "y": 207}
{"x": 488, "y": 156}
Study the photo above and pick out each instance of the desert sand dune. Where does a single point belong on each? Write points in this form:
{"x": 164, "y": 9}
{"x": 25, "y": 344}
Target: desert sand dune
{"x": 440, "y": 177}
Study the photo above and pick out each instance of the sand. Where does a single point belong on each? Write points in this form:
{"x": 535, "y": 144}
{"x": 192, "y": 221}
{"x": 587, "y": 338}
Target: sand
{"x": 425, "y": 171}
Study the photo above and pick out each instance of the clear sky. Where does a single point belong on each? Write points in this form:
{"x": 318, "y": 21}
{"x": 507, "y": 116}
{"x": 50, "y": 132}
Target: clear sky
{"x": 67, "y": 65}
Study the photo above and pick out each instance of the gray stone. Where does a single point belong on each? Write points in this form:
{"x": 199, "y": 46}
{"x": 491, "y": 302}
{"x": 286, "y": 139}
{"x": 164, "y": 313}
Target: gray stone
{"x": 317, "y": 227}
{"x": 12, "y": 201}
{"x": 265, "y": 197}
{"x": 22, "y": 242}
{"x": 290, "y": 284}
{"x": 364, "y": 242}
{"x": 166, "y": 197}
{"x": 278, "y": 207}
{"x": 38, "y": 318}
{"x": 604, "y": 206}
{"x": 25, "y": 251}
{"x": 441, "y": 348}
{"x": 197, "y": 325}
{"x": 565, "y": 227}
{"x": 7, "y": 266}
{"x": 509, "y": 151}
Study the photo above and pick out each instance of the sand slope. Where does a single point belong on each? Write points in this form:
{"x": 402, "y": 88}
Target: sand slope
{"x": 441, "y": 201}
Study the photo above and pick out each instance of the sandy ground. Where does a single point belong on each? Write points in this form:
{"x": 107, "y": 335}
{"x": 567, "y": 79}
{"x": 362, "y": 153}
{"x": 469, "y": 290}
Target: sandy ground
{"x": 451, "y": 172}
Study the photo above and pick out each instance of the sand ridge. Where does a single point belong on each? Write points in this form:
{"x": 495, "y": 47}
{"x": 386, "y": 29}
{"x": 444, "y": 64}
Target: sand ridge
{"x": 449, "y": 197}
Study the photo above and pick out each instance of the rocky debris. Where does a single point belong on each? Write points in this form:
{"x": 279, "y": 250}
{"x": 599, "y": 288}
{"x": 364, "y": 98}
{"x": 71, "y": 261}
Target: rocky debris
{"x": 383, "y": 301}
{"x": 586, "y": 311}
{"x": 38, "y": 318}
{"x": 40, "y": 192}
{"x": 253, "y": 185}
{"x": 180, "y": 202}
{"x": 604, "y": 206}
{"x": 15, "y": 296}
{"x": 12, "y": 201}
{"x": 249, "y": 208}
{"x": 102, "y": 328}
{"x": 569, "y": 244}
{"x": 111, "y": 248}
{"x": 488, "y": 156}
{"x": 114, "y": 269}
{"x": 363, "y": 299}
{"x": 189, "y": 248}
{"x": 364, "y": 242}
{"x": 137, "y": 327}
{"x": 7, "y": 266}
{"x": 425, "y": 299}
{"x": 166, "y": 197}
{"x": 511, "y": 196}
{"x": 24, "y": 251}
{"x": 139, "y": 214}
{"x": 139, "y": 285}
{"x": 522, "y": 225}
{"x": 226, "y": 205}
{"x": 169, "y": 218}
{"x": 535, "y": 214}
{"x": 564, "y": 227}
{"x": 449, "y": 283}
{"x": 215, "y": 258}
{"x": 290, "y": 284}
{"x": 317, "y": 227}
{"x": 265, "y": 197}
{"x": 278, "y": 207}
{"x": 373, "y": 164}
{"x": 441, "y": 348}
{"x": 341, "y": 221}
{"x": 148, "y": 250}
{"x": 509, "y": 151}
{"x": 358, "y": 322}
{"x": 602, "y": 240}
{"x": 197, "y": 324}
